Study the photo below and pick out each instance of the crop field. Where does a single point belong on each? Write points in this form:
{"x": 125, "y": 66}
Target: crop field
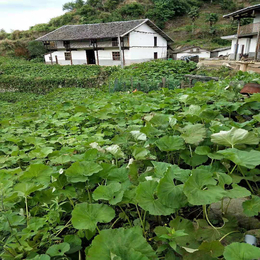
{"x": 86, "y": 174}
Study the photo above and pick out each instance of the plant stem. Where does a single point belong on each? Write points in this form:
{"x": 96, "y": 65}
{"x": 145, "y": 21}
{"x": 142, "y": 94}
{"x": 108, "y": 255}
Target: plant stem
{"x": 89, "y": 196}
{"x": 227, "y": 235}
{"x": 126, "y": 216}
{"x": 249, "y": 185}
{"x": 114, "y": 223}
{"x": 138, "y": 212}
{"x": 26, "y": 208}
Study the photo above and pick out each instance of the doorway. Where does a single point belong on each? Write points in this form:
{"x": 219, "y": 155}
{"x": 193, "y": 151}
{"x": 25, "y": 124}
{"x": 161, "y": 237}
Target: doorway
{"x": 90, "y": 57}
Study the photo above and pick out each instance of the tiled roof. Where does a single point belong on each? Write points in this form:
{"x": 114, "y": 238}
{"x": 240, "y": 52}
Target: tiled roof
{"x": 98, "y": 31}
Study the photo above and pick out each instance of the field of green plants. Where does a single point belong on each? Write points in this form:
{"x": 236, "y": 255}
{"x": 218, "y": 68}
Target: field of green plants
{"x": 25, "y": 76}
{"x": 87, "y": 174}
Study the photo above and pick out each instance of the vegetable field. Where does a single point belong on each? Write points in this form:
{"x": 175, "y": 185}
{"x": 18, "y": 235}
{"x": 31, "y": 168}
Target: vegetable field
{"x": 89, "y": 175}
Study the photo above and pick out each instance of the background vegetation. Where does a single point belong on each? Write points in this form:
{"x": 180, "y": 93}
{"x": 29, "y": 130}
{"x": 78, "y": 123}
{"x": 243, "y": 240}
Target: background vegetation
{"x": 177, "y": 17}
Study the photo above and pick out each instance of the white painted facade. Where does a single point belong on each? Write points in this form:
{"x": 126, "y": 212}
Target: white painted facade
{"x": 246, "y": 44}
{"x": 139, "y": 47}
{"x": 202, "y": 53}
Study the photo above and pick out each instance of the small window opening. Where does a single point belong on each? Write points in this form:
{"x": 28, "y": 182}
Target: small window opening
{"x": 116, "y": 55}
{"x": 155, "y": 41}
{"x": 67, "y": 55}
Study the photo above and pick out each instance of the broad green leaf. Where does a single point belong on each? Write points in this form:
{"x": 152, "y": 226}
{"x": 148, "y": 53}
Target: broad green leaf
{"x": 234, "y": 136}
{"x": 238, "y": 192}
{"x": 171, "y": 196}
{"x": 58, "y": 250}
{"x": 193, "y": 134}
{"x": 123, "y": 244}
{"x": 138, "y": 136}
{"x": 80, "y": 171}
{"x": 75, "y": 243}
{"x": 141, "y": 153}
{"x": 243, "y": 158}
{"x": 116, "y": 151}
{"x": 112, "y": 192}
{"x": 37, "y": 173}
{"x": 214, "y": 248}
{"x": 202, "y": 150}
{"x": 86, "y": 216}
{"x": 170, "y": 143}
{"x": 201, "y": 188}
{"x": 147, "y": 199}
{"x": 40, "y": 152}
{"x": 41, "y": 257}
{"x": 241, "y": 251}
{"x": 252, "y": 207}
{"x": 27, "y": 188}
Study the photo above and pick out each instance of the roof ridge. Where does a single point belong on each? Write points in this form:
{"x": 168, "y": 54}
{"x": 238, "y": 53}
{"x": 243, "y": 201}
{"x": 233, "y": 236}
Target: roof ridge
{"x": 107, "y": 23}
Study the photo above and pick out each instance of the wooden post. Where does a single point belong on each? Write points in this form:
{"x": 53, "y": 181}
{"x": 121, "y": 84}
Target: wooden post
{"x": 163, "y": 82}
{"x": 257, "y": 45}
{"x": 56, "y": 58}
{"x": 97, "y": 53}
{"x": 123, "y": 52}
{"x": 71, "y": 62}
{"x": 238, "y": 32}
{"x": 51, "y": 59}
{"x": 120, "y": 51}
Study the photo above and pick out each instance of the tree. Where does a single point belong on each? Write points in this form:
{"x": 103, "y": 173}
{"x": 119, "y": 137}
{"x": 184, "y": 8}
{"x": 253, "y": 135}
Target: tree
{"x": 73, "y": 5}
{"x": 194, "y": 15}
{"x": 36, "y": 49}
{"x": 212, "y": 18}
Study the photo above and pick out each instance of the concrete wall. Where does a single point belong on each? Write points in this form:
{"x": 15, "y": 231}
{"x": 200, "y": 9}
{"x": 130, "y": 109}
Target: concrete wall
{"x": 78, "y": 57}
{"x": 202, "y": 53}
{"x": 250, "y": 47}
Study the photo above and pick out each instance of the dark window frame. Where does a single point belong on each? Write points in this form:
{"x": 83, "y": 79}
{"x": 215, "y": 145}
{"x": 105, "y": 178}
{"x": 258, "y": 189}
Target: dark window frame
{"x": 114, "y": 42}
{"x": 155, "y": 55}
{"x": 67, "y": 55}
{"x": 155, "y": 41}
{"x": 115, "y": 55}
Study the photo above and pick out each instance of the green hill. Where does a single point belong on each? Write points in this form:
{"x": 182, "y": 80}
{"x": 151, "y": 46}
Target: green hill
{"x": 173, "y": 16}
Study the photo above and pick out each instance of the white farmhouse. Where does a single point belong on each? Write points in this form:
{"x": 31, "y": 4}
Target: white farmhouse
{"x": 106, "y": 44}
{"x": 247, "y": 40}
{"x": 191, "y": 51}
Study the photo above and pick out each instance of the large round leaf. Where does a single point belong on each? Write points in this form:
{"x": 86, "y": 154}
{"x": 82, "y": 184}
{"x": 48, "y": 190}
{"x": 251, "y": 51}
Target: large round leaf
{"x": 252, "y": 207}
{"x": 171, "y": 196}
{"x": 243, "y": 158}
{"x": 146, "y": 198}
{"x": 170, "y": 143}
{"x": 86, "y": 216}
{"x": 193, "y": 134}
{"x": 241, "y": 251}
{"x": 79, "y": 171}
{"x": 201, "y": 188}
{"x": 112, "y": 192}
{"x": 234, "y": 136}
{"x": 121, "y": 244}
{"x": 58, "y": 250}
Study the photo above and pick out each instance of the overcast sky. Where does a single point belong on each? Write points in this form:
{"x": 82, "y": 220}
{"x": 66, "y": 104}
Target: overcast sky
{"x": 21, "y": 14}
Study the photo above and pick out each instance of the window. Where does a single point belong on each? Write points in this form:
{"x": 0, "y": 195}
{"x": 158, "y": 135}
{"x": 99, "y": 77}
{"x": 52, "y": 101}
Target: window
{"x": 67, "y": 55}
{"x": 116, "y": 55}
{"x": 155, "y": 41}
{"x": 114, "y": 41}
{"x": 155, "y": 55}
{"x": 66, "y": 44}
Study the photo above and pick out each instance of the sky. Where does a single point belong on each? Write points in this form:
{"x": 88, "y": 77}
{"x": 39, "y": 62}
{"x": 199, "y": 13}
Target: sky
{"x": 21, "y": 14}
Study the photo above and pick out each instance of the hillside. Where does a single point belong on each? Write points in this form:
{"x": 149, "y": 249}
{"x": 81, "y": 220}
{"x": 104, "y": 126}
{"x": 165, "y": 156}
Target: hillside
{"x": 173, "y": 16}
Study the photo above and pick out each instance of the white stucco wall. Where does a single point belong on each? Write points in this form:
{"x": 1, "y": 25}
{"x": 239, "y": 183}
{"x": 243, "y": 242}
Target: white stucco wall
{"x": 224, "y": 53}
{"x": 203, "y": 54}
{"x": 141, "y": 43}
{"x": 257, "y": 18}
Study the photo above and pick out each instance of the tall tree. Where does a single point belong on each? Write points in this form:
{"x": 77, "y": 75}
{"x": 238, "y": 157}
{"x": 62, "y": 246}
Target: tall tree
{"x": 73, "y": 5}
{"x": 194, "y": 15}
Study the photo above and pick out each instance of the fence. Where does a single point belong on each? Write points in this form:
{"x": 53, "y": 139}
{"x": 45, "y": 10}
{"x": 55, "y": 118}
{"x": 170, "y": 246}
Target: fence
{"x": 145, "y": 85}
